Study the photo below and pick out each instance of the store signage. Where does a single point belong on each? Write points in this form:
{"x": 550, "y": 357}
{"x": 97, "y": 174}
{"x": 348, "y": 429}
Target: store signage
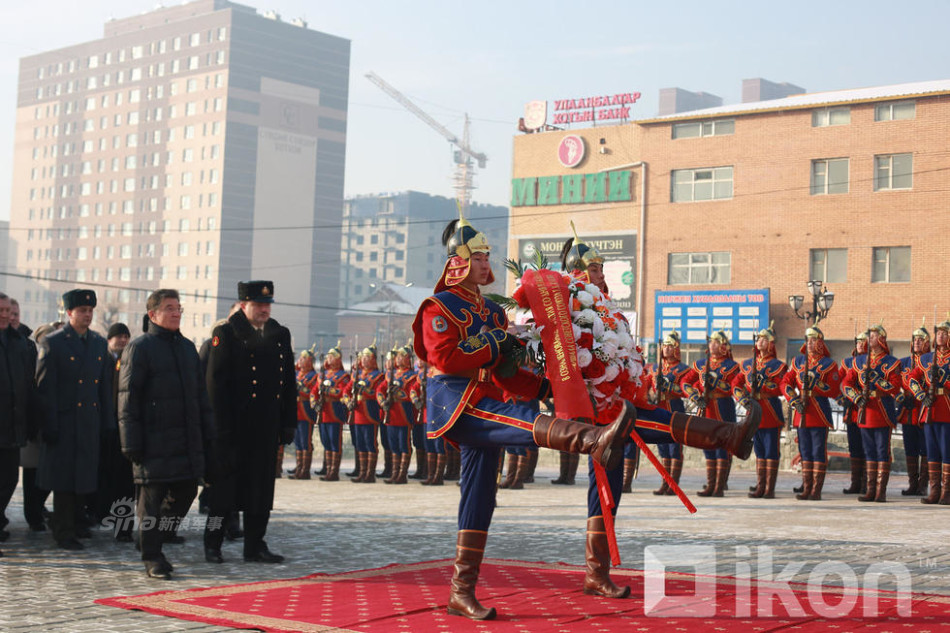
{"x": 571, "y": 150}
{"x": 696, "y": 314}
{"x": 591, "y": 109}
{"x": 611, "y": 186}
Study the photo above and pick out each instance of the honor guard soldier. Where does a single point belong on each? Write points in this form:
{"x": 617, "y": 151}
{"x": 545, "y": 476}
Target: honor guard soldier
{"x": 253, "y": 391}
{"x": 326, "y": 398}
{"x": 709, "y": 386}
{"x": 915, "y": 448}
{"x": 850, "y": 418}
{"x": 930, "y": 383}
{"x": 74, "y": 379}
{"x": 392, "y": 394}
{"x": 365, "y": 414}
{"x": 464, "y": 337}
{"x": 761, "y": 379}
{"x": 663, "y": 388}
{"x": 810, "y": 383}
{"x": 303, "y": 438}
{"x": 872, "y": 384}
{"x": 435, "y": 446}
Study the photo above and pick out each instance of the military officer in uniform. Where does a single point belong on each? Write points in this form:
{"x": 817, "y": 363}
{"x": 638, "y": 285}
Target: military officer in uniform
{"x": 326, "y": 398}
{"x": 253, "y": 392}
{"x": 855, "y": 447}
{"x": 392, "y": 394}
{"x": 871, "y": 384}
{"x": 662, "y": 386}
{"x": 303, "y": 438}
{"x": 930, "y": 383}
{"x": 915, "y": 448}
{"x": 74, "y": 380}
{"x": 360, "y": 394}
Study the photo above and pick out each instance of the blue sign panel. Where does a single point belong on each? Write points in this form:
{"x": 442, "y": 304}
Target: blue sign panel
{"x": 697, "y": 313}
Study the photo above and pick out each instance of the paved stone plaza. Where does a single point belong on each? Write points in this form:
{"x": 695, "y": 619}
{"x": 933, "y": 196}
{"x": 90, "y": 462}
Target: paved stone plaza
{"x": 335, "y": 527}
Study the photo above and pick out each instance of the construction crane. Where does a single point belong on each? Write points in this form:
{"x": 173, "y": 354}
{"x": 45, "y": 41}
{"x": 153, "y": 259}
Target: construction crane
{"x": 465, "y": 157}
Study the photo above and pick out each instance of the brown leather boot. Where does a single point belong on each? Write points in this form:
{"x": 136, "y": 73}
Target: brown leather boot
{"x": 298, "y": 460}
{"x": 759, "y": 491}
{"x": 722, "y": 475}
{"x": 945, "y": 485}
{"x": 402, "y": 477}
{"x": 818, "y": 480}
{"x": 935, "y": 483}
{"x": 280, "y": 462}
{"x": 371, "y": 460}
{"x": 871, "y": 495}
{"x": 808, "y": 478}
{"x": 326, "y": 464}
{"x": 913, "y": 476}
{"x": 521, "y": 468}
{"x": 857, "y": 477}
{"x": 333, "y": 466}
{"x": 883, "y": 474}
{"x": 924, "y": 476}
{"x": 565, "y": 459}
{"x": 572, "y": 463}
{"x": 667, "y": 464}
{"x": 453, "y": 464}
{"x": 512, "y": 471}
{"x": 530, "y": 468}
{"x": 676, "y": 470}
{"x": 771, "y": 475}
{"x": 710, "y": 479}
{"x": 440, "y": 465}
{"x": 361, "y": 461}
{"x": 395, "y": 467}
{"x": 422, "y": 465}
{"x": 469, "y": 551}
{"x": 691, "y": 430}
{"x": 597, "y": 580}
{"x": 430, "y": 469}
{"x": 387, "y": 464}
{"x": 603, "y": 443}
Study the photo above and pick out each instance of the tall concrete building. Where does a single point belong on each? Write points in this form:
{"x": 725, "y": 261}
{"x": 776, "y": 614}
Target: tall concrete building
{"x": 397, "y": 238}
{"x": 190, "y": 147}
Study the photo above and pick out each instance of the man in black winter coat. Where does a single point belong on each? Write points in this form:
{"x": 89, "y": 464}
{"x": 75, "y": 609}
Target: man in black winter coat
{"x": 17, "y": 367}
{"x": 165, "y": 425}
{"x": 253, "y": 390}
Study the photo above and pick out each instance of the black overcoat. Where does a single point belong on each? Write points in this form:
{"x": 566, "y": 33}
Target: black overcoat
{"x": 17, "y": 371}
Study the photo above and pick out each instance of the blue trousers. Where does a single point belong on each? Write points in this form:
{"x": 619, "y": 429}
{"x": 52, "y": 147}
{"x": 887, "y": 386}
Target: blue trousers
{"x": 877, "y": 444}
{"x": 364, "y": 438}
{"x": 937, "y": 435}
{"x": 914, "y": 444}
{"x": 398, "y": 439}
{"x": 331, "y": 434}
{"x": 436, "y": 446}
{"x": 670, "y": 450}
{"x": 855, "y": 445}
{"x": 418, "y": 433}
{"x": 813, "y": 444}
{"x": 303, "y": 436}
{"x": 383, "y": 437}
{"x": 765, "y": 443}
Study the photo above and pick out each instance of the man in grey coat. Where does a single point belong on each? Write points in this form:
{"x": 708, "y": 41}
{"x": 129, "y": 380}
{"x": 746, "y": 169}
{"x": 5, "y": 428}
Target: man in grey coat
{"x": 165, "y": 425}
{"x": 74, "y": 381}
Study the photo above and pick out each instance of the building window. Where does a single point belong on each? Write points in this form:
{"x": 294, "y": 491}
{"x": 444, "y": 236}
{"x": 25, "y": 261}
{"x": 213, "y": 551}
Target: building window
{"x": 700, "y": 268}
{"x": 896, "y": 111}
{"x": 890, "y": 264}
{"x": 829, "y": 264}
{"x": 691, "y": 185}
{"x": 829, "y": 175}
{"x": 826, "y": 117}
{"x": 694, "y": 129}
{"x": 893, "y": 171}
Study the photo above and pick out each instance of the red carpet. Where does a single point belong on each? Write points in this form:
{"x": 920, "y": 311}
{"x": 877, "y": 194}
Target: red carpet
{"x": 530, "y": 597}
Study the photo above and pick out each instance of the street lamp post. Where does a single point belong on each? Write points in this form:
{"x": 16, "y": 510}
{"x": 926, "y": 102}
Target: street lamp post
{"x": 821, "y": 301}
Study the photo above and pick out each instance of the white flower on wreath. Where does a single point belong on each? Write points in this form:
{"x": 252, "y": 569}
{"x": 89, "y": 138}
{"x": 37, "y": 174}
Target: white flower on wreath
{"x": 597, "y": 326}
{"x": 586, "y": 299}
{"x": 584, "y": 357}
{"x": 588, "y": 318}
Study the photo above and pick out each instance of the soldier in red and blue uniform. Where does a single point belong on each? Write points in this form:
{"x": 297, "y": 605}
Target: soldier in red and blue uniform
{"x": 760, "y": 379}
{"x": 850, "y": 418}
{"x": 326, "y": 398}
{"x": 872, "y": 384}
{"x": 435, "y": 446}
{"x": 663, "y": 389}
{"x": 930, "y": 383}
{"x": 303, "y": 437}
{"x": 418, "y": 429}
{"x": 809, "y": 385}
{"x": 909, "y": 409}
{"x": 714, "y": 401}
{"x": 398, "y": 412}
{"x": 464, "y": 337}
{"x": 360, "y": 394}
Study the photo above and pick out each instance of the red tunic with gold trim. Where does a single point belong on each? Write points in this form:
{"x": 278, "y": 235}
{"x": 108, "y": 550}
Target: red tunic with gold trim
{"x": 367, "y": 409}
{"x": 457, "y": 333}
{"x": 769, "y": 373}
{"x": 884, "y": 378}
{"x": 401, "y": 412}
{"x": 824, "y": 382}
{"x": 920, "y": 385}
{"x": 334, "y": 411}
{"x": 718, "y": 394}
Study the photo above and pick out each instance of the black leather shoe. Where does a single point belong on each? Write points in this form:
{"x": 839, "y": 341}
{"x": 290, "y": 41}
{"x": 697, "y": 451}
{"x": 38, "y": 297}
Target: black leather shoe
{"x": 264, "y": 556}
{"x": 173, "y": 539}
{"x": 38, "y": 527}
{"x": 233, "y": 535}
{"x": 70, "y": 544}
{"x": 213, "y": 555}
{"x": 158, "y": 569}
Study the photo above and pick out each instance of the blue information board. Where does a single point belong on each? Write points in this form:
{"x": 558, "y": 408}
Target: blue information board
{"x": 697, "y": 313}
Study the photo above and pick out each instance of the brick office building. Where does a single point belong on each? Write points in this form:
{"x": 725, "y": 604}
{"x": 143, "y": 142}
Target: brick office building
{"x": 748, "y": 202}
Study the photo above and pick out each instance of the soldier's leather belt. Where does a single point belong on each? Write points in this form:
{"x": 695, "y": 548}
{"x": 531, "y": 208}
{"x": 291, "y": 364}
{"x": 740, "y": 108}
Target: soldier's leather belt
{"x": 938, "y": 392}
{"x": 478, "y": 375}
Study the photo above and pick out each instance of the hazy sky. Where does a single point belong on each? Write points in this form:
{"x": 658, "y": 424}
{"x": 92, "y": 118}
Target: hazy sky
{"x": 489, "y": 57}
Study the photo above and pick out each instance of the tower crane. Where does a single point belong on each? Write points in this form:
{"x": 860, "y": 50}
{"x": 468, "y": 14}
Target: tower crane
{"x": 465, "y": 157}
